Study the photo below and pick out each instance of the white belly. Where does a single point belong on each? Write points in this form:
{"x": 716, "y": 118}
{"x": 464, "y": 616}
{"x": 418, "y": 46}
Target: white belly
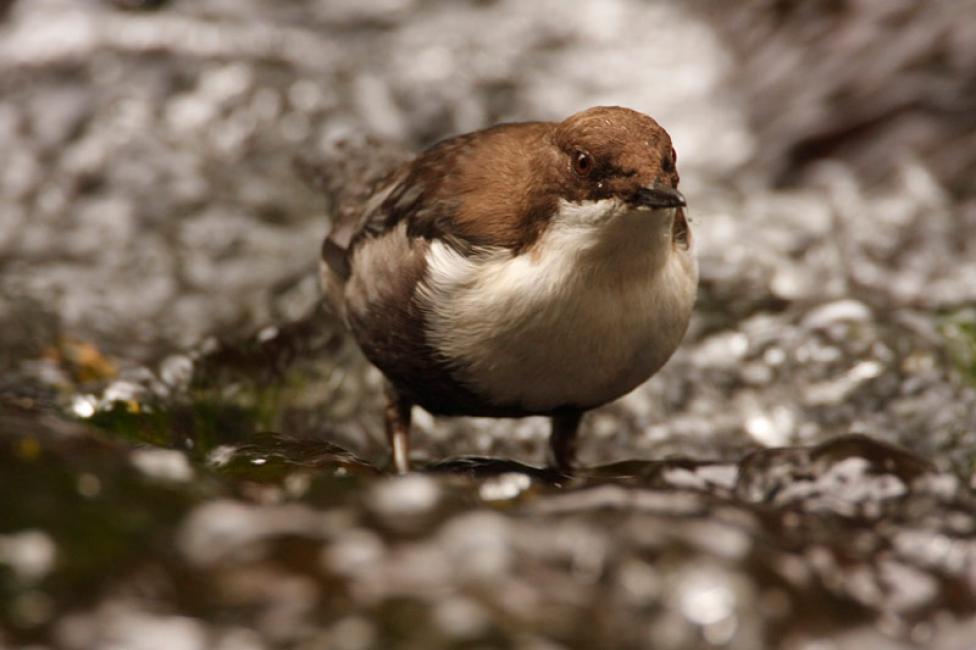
{"x": 551, "y": 327}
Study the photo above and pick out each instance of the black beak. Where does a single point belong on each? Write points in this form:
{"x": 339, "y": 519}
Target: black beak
{"x": 659, "y": 196}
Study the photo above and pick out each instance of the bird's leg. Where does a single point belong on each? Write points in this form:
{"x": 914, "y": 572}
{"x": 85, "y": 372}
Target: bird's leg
{"x": 562, "y": 439}
{"x": 397, "y": 416}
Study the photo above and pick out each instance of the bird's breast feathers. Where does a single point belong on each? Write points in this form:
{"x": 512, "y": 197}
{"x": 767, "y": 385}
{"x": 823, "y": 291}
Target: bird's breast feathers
{"x": 577, "y": 320}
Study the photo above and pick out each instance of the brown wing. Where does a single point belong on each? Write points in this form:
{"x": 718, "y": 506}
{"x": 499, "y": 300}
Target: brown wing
{"x": 349, "y": 175}
{"x": 474, "y": 170}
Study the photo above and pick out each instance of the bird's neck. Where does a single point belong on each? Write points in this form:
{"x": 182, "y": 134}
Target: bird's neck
{"x": 629, "y": 242}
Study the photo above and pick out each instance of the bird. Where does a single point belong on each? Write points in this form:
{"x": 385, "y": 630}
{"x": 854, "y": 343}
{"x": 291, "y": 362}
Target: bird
{"x": 526, "y": 269}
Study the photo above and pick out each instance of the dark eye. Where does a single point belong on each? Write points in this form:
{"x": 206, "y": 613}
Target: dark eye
{"x": 667, "y": 163}
{"x": 582, "y": 163}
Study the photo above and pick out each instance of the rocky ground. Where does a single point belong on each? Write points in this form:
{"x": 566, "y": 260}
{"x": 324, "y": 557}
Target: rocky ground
{"x": 190, "y": 454}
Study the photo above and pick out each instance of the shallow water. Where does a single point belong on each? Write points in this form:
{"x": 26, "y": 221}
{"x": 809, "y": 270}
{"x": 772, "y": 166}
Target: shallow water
{"x": 190, "y": 446}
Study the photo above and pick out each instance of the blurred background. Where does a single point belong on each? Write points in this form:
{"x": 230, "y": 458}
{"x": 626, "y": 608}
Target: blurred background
{"x": 190, "y": 446}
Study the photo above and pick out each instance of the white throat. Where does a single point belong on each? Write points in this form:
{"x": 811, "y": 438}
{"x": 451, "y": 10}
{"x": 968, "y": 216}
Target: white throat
{"x": 609, "y": 232}
{"x": 594, "y": 308}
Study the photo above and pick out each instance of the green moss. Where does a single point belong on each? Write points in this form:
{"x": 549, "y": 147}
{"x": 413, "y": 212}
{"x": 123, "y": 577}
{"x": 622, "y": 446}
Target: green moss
{"x": 100, "y": 533}
{"x": 196, "y": 425}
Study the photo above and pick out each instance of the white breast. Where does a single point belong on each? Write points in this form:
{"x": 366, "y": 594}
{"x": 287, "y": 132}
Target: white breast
{"x": 588, "y": 314}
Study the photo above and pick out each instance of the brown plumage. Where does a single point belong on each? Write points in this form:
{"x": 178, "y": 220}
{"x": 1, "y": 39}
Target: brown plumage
{"x": 515, "y": 218}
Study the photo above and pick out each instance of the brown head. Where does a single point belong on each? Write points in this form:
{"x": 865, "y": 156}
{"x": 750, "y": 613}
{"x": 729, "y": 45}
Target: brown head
{"x": 506, "y": 185}
{"x": 613, "y": 152}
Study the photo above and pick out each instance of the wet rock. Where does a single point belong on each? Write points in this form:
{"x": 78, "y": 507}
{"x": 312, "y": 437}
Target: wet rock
{"x": 504, "y": 487}
{"x": 405, "y": 503}
{"x": 851, "y": 469}
{"x": 29, "y": 553}
{"x": 163, "y": 464}
{"x": 218, "y": 530}
{"x": 124, "y": 625}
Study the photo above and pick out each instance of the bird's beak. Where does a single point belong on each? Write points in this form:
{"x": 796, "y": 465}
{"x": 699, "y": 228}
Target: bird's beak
{"x": 659, "y": 196}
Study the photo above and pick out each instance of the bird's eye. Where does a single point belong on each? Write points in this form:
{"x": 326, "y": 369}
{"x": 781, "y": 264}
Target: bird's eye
{"x": 582, "y": 163}
{"x": 668, "y": 162}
